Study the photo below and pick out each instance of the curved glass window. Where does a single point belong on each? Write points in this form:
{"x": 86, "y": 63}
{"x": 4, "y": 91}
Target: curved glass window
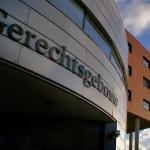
{"x": 91, "y": 29}
{"x": 116, "y": 64}
{"x": 71, "y": 9}
{"x": 81, "y": 17}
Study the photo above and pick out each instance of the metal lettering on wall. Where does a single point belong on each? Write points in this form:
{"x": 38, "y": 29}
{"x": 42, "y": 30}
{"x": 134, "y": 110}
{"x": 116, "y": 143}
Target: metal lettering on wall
{"x": 58, "y": 55}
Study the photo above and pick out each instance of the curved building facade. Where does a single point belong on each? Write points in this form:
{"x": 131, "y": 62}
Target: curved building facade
{"x": 63, "y": 75}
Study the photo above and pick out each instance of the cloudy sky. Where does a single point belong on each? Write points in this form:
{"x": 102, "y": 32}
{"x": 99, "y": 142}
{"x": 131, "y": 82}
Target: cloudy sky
{"x": 144, "y": 140}
{"x": 136, "y": 17}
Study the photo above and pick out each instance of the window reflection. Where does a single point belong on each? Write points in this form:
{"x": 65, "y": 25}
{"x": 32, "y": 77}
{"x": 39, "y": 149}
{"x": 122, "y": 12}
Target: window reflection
{"x": 91, "y": 29}
{"x": 76, "y": 13}
{"x": 146, "y": 82}
{"x": 146, "y": 104}
{"x": 116, "y": 64}
{"x": 146, "y": 62}
{"x": 129, "y": 95}
{"x": 70, "y": 9}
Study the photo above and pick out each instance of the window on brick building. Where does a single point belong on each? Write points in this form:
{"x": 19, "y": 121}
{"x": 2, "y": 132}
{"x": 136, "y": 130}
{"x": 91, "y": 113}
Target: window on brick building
{"x": 146, "y": 82}
{"x": 129, "y": 95}
{"x": 130, "y": 47}
{"x": 146, "y": 62}
{"x": 146, "y": 104}
{"x": 129, "y": 70}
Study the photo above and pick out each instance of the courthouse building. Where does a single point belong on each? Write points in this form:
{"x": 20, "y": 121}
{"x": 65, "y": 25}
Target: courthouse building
{"x": 63, "y": 67}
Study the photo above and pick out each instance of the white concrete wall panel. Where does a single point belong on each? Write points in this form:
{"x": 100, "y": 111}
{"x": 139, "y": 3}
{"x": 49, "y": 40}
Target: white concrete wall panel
{"x": 45, "y": 67}
{"x": 120, "y": 142}
{"x": 44, "y": 26}
{"x": 16, "y": 9}
{"x": 11, "y": 54}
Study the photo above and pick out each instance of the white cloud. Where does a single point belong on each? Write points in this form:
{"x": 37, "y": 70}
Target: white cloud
{"x": 144, "y": 139}
{"x": 136, "y": 15}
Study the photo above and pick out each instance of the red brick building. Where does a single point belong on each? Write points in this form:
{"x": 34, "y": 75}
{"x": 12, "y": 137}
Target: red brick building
{"x": 138, "y": 86}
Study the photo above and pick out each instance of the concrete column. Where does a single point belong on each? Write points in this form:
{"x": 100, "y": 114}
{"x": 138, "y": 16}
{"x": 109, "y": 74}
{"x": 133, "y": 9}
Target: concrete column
{"x": 137, "y": 127}
{"x": 130, "y": 141}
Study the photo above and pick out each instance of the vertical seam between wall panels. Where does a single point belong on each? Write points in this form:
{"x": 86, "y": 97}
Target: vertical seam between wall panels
{"x": 28, "y": 16}
{"x": 26, "y": 22}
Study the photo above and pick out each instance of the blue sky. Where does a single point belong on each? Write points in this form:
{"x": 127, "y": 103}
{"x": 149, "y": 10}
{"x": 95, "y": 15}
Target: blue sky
{"x": 136, "y": 18}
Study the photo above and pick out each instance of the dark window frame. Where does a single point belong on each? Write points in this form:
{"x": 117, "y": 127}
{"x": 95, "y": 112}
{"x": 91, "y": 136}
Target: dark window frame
{"x": 146, "y": 83}
{"x": 68, "y": 15}
{"x": 129, "y": 95}
{"x": 146, "y": 62}
{"x": 99, "y": 33}
{"x": 146, "y": 102}
{"x": 129, "y": 47}
{"x": 116, "y": 64}
{"x": 129, "y": 70}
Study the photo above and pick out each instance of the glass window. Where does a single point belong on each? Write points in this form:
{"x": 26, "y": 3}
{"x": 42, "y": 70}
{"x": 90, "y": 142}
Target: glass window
{"x": 116, "y": 64}
{"x": 129, "y": 70}
{"x": 71, "y": 9}
{"x": 146, "y": 104}
{"x": 146, "y": 62}
{"x": 77, "y": 14}
{"x": 129, "y": 95}
{"x": 146, "y": 82}
{"x": 130, "y": 47}
{"x": 95, "y": 34}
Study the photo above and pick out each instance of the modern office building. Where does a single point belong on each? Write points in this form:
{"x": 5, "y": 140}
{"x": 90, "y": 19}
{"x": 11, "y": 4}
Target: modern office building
{"x": 138, "y": 116}
{"x": 63, "y": 75}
